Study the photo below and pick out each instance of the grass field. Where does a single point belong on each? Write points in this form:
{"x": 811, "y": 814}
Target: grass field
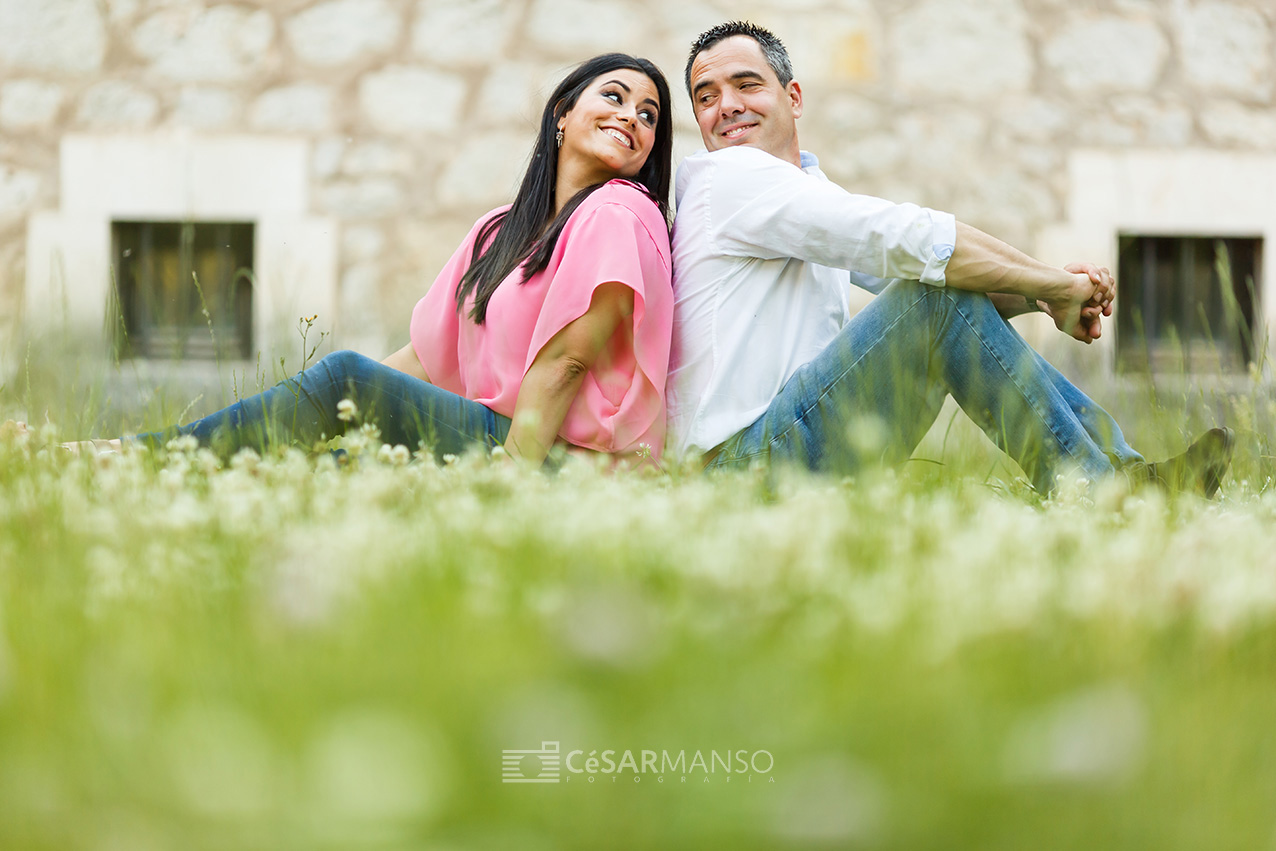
{"x": 286, "y": 653}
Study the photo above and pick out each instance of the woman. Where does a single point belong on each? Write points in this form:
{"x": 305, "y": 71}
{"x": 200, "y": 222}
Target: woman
{"x": 552, "y": 320}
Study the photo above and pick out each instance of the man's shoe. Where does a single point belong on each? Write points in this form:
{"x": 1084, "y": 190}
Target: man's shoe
{"x": 1200, "y": 469}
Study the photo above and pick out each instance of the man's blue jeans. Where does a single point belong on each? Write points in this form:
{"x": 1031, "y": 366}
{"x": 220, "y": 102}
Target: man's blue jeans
{"x": 303, "y": 409}
{"x": 873, "y": 393}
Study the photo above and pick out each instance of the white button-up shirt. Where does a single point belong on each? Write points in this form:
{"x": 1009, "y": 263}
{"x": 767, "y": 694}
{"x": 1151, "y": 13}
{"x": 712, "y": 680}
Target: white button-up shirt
{"x": 761, "y": 251}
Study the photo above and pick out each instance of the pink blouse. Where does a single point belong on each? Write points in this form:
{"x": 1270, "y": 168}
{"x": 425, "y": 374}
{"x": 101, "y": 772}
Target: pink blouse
{"x": 616, "y": 235}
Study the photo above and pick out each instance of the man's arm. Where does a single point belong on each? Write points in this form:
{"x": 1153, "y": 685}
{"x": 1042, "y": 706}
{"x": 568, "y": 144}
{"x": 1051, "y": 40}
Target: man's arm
{"x": 764, "y": 207}
{"x": 1076, "y": 297}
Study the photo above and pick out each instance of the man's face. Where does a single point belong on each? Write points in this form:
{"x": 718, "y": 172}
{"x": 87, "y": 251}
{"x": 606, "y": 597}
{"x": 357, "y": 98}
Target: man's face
{"x": 738, "y": 100}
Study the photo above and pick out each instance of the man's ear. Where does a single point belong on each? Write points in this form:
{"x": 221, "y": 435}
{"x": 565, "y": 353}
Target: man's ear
{"x": 795, "y": 97}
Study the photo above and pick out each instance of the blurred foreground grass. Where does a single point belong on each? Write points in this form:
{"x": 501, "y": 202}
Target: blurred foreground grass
{"x": 285, "y": 653}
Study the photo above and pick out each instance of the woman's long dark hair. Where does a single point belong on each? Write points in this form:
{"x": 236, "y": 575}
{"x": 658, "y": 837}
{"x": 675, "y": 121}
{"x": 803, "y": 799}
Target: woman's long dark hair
{"x": 519, "y": 234}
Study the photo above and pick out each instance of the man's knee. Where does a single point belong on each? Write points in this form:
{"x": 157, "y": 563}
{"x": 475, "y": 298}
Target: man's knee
{"x": 912, "y": 294}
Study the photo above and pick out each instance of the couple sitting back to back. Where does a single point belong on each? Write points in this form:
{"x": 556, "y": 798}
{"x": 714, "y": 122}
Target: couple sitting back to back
{"x": 565, "y": 317}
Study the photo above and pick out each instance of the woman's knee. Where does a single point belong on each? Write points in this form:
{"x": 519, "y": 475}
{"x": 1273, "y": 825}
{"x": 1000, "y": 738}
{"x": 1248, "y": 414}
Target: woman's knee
{"x": 345, "y": 365}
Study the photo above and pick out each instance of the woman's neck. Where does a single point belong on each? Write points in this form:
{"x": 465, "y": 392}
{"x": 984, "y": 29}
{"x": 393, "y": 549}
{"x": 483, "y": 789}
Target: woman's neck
{"x": 570, "y": 181}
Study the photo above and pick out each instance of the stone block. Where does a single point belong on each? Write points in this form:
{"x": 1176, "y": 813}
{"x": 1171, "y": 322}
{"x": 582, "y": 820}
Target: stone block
{"x": 219, "y": 44}
{"x": 1106, "y": 53}
{"x": 205, "y": 108}
{"x": 371, "y": 198}
{"x": 377, "y": 157}
{"x": 514, "y": 93}
{"x": 29, "y": 104}
{"x": 64, "y": 36}
{"x": 326, "y": 161}
{"x": 115, "y": 104}
{"x": 961, "y": 48}
{"x": 940, "y": 143}
{"x": 472, "y": 33}
{"x": 857, "y": 157}
{"x": 360, "y": 294}
{"x": 1154, "y": 122}
{"x": 120, "y": 11}
{"x": 179, "y": 173}
{"x": 841, "y": 48}
{"x": 19, "y": 189}
{"x": 339, "y": 32}
{"x": 425, "y": 246}
{"x": 575, "y": 29}
{"x": 1045, "y": 163}
{"x": 361, "y": 243}
{"x": 487, "y": 173}
{"x": 682, "y": 22}
{"x": 1224, "y": 47}
{"x": 404, "y": 99}
{"x": 1008, "y": 204}
{"x": 300, "y": 108}
{"x": 1243, "y": 126}
{"x": 1034, "y": 119}
{"x": 843, "y": 113}
{"x": 360, "y": 303}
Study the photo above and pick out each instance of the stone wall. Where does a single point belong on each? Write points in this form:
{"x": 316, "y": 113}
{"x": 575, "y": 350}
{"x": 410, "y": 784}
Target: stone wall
{"x": 419, "y": 113}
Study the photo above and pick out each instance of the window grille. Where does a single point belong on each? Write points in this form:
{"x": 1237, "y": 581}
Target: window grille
{"x": 1187, "y": 303}
{"x": 184, "y": 289}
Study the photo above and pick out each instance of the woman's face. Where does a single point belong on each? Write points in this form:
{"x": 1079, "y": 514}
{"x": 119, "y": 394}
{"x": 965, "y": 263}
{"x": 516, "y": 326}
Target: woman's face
{"x": 612, "y": 128}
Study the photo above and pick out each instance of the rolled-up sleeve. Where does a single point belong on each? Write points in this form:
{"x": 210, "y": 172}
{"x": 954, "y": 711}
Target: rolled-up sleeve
{"x": 943, "y": 241}
{"x": 764, "y": 207}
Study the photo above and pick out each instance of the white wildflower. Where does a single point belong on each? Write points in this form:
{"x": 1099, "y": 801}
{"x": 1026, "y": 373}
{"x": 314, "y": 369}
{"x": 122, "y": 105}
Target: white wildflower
{"x": 400, "y": 455}
{"x": 370, "y": 431}
{"x": 354, "y": 443}
{"x": 182, "y": 444}
{"x": 347, "y": 411}
{"x": 207, "y": 462}
{"x": 1097, "y": 735}
{"x": 245, "y": 459}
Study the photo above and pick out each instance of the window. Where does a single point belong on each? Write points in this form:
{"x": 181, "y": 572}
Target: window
{"x": 1187, "y": 303}
{"x": 184, "y": 288}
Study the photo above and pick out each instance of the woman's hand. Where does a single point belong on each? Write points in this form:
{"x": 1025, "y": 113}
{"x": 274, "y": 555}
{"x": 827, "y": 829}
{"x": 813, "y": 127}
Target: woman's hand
{"x": 554, "y": 378}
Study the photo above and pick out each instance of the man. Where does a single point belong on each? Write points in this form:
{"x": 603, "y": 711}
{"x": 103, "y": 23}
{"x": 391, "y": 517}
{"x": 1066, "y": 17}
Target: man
{"x": 767, "y": 363}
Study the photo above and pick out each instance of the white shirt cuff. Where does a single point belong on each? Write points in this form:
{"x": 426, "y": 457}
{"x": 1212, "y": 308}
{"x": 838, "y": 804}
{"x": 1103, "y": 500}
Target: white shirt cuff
{"x": 943, "y": 242}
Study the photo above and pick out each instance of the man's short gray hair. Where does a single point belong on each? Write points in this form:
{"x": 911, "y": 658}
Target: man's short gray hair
{"x": 772, "y": 48}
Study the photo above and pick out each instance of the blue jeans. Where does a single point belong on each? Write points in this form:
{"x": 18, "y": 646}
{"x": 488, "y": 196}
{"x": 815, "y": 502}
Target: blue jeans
{"x": 303, "y": 409}
{"x": 875, "y": 391}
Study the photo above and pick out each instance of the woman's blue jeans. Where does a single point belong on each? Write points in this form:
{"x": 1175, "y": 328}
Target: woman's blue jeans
{"x": 875, "y": 391}
{"x": 303, "y": 410}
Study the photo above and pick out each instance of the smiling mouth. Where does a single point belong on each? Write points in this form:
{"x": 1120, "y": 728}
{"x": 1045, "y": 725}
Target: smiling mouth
{"x": 737, "y": 131}
{"x": 619, "y": 137}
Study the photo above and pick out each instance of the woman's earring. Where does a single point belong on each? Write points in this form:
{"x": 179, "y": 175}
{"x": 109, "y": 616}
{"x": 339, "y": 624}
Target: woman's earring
{"x": 558, "y": 137}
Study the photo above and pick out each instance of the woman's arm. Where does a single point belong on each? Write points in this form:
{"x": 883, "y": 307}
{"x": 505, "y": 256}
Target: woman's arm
{"x": 554, "y": 378}
{"x": 405, "y": 360}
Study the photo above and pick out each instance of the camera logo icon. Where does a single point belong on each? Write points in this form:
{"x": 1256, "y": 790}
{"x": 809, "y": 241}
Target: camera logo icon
{"x": 537, "y": 765}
